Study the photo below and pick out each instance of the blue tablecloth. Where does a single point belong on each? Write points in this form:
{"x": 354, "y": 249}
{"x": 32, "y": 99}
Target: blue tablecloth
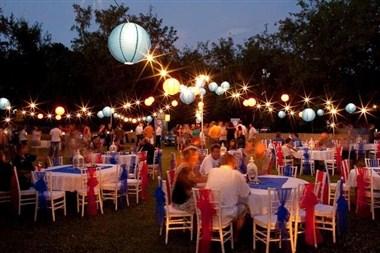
{"x": 269, "y": 182}
{"x": 72, "y": 170}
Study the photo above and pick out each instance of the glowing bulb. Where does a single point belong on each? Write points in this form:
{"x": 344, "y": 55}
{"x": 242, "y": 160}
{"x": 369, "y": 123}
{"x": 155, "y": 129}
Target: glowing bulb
{"x": 307, "y": 99}
{"x": 58, "y": 117}
{"x": 334, "y": 111}
{"x": 32, "y": 105}
{"x": 174, "y": 103}
{"x": 161, "y": 111}
{"x": 137, "y": 102}
{"x": 163, "y": 72}
{"x": 68, "y": 116}
{"x": 363, "y": 110}
{"x": 89, "y": 114}
{"x": 287, "y": 108}
{"x": 32, "y": 114}
{"x": 49, "y": 116}
{"x": 374, "y": 106}
{"x": 23, "y": 112}
{"x": 149, "y": 57}
{"x": 84, "y": 109}
{"x": 328, "y": 102}
{"x": 292, "y": 113}
{"x": 167, "y": 107}
{"x": 40, "y": 116}
{"x": 78, "y": 115}
{"x": 267, "y": 104}
{"x": 258, "y": 106}
{"x": 7, "y": 119}
{"x": 270, "y": 109}
{"x": 284, "y": 97}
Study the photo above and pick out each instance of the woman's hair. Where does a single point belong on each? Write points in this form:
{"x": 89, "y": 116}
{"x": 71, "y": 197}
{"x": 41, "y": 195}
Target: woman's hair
{"x": 189, "y": 151}
{"x": 228, "y": 159}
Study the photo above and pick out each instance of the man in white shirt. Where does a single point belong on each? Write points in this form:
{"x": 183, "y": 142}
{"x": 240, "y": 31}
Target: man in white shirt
{"x": 212, "y": 160}
{"x": 233, "y": 189}
{"x": 55, "y": 141}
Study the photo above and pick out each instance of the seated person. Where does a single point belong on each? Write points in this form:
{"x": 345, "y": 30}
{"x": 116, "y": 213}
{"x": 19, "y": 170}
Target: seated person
{"x": 278, "y": 139}
{"x": 233, "y": 189}
{"x": 24, "y": 165}
{"x": 324, "y": 141}
{"x": 5, "y": 173}
{"x": 185, "y": 180}
{"x": 288, "y": 149}
{"x": 296, "y": 140}
{"x": 149, "y": 148}
{"x": 211, "y": 160}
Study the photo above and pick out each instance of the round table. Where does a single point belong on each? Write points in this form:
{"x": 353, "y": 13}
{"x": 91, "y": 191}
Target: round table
{"x": 353, "y": 183}
{"x": 65, "y": 178}
{"x": 258, "y": 200}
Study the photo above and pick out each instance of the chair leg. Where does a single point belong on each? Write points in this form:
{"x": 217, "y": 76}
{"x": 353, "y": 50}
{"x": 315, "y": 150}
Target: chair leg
{"x": 83, "y": 199}
{"x": 53, "y": 212}
{"x": 221, "y": 238}
{"x": 78, "y": 202}
{"x": 267, "y": 241}
{"x": 232, "y": 237}
{"x": 254, "y": 235}
{"x": 64, "y": 206}
{"x": 191, "y": 228}
{"x": 198, "y": 238}
{"x": 116, "y": 199}
{"x": 101, "y": 204}
{"x": 36, "y": 210}
{"x": 167, "y": 231}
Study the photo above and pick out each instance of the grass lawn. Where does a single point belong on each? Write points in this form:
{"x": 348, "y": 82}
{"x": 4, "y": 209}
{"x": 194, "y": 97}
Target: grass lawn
{"x": 134, "y": 229}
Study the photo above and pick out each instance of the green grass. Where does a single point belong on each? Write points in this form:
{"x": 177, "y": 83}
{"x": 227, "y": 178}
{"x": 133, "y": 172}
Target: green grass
{"x": 134, "y": 229}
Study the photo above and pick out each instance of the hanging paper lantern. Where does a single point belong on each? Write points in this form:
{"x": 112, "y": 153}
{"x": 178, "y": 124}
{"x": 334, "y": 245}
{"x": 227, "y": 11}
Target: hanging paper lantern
{"x": 107, "y": 111}
{"x": 58, "y": 117}
{"x": 195, "y": 90}
{"x": 202, "y": 91}
{"x": 281, "y": 114}
{"x": 174, "y": 103}
{"x": 40, "y": 116}
{"x": 171, "y": 86}
{"x": 308, "y": 115}
{"x": 320, "y": 112}
{"x": 59, "y": 110}
{"x": 251, "y": 102}
{"x": 100, "y": 114}
{"x": 246, "y": 102}
{"x": 212, "y": 86}
{"x": 284, "y": 97}
{"x": 149, "y": 101}
{"x": 149, "y": 119}
{"x": 129, "y": 43}
{"x": 300, "y": 114}
{"x": 4, "y": 103}
{"x": 219, "y": 91}
{"x": 225, "y": 85}
{"x": 350, "y": 108}
{"x": 187, "y": 96}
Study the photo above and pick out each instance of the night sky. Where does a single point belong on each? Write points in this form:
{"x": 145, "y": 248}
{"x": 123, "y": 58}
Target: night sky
{"x": 196, "y": 20}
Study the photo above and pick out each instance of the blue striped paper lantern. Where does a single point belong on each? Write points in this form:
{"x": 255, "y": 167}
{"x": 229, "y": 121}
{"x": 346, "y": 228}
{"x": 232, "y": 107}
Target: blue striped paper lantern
{"x": 308, "y": 115}
{"x": 350, "y": 108}
{"x": 4, "y": 104}
{"x": 129, "y": 43}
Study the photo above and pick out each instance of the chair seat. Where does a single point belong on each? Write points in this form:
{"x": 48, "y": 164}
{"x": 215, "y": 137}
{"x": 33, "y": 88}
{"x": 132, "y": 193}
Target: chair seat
{"x": 226, "y": 221}
{"x": 133, "y": 181}
{"x": 174, "y": 211}
{"x": 131, "y": 175}
{"x": 111, "y": 185}
{"x": 55, "y": 195}
{"x": 262, "y": 220}
{"x": 29, "y": 191}
{"x": 324, "y": 210}
{"x": 345, "y": 186}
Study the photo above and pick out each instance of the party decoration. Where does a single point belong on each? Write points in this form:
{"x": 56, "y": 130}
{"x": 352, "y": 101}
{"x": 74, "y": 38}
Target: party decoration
{"x": 92, "y": 182}
{"x": 107, "y": 111}
{"x": 225, "y": 85}
{"x": 320, "y": 112}
{"x": 40, "y": 116}
{"x": 187, "y": 96}
{"x": 149, "y": 101}
{"x": 58, "y": 117}
{"x": 202, "y": 91}
{"x": 174, "y": 103}
{"x": 129, "y": 43}
{"x": 284, "y": 97}
{"x": 149, "y": 119}
{"x": 100, "y": 114}
{"x": 171, "y": 86}
{"x": 4, "y": 103}
{"x": 212, "y": 86}
{"x": 59, "y": 110}
{"x": 281, "y": 114}
{"x": 219, "y": 91}
{"x": 207, "y": 209}
{"x": 350, "y": 108}
{"x": 308, "y": 115}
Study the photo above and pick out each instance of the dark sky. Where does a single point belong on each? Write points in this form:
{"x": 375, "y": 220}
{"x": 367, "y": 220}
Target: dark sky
{"x": 195, "y": 20}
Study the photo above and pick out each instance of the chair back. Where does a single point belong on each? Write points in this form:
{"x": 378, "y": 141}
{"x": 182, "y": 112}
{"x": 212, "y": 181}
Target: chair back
{"x": 165, "y": 190}
{"x": 133, "y": 165}
{"x": 215, "y": 200}
{"x": 345, "y": 169}
{"x": 321, "y": 178}
{"x": 84, "y": 174}
{"x": 16, "y": 181}
{"x": 287, "y": 170}
{"x": 290, "y": 198}
{"x": 372, "y": 162}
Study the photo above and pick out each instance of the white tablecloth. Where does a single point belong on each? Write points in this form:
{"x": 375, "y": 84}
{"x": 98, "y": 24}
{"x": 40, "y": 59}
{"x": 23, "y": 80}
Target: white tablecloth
{"x": 121, "y": 159}
{"x": 367, "y": 146}
{"x": 258, "y": 200}
{"x": 319, "y": 155}
{"x": 72, "y": 182}
{"x": 352, "y": 179}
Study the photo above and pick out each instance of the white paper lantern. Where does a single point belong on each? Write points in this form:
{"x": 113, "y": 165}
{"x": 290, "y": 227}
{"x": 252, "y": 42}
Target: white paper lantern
{"x": 129, "y": 43}
{"x": 187, "y": 96}
{"x": 225, "y": 85}
{"x": 107, "y": 111}
{"x": 350, "y": 108}
{"x": 308, "y": 115}
{"x": 100, "y": 114}
{"x": 281, "y": 114}
{"x": 202, "y": 91}
{"x": 219, "y": 91}
{"x": 284, "y": 97}
{"x": 320, "y": 112}
{"x": 149, "y": 119}
{"x": 4, "y": 103}
{"x": 212, "y": 86}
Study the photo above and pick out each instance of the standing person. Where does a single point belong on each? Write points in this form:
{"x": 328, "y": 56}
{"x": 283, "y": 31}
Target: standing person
{"x": 252, "y": 132}
{"x": 86, "y": 135}
{"x": 139, "y": 132}
{"x": 240, "y": 137}
{"x": 55, "y": 143}
{"x": 230, "y": 131}
{"x": 36, "y": 136}
{"x": 243, "y": 128}
{"x": 23, "y": 136}
{"x": 223, "y": 134}
{"x": 148, "y": 133}
{"x": 158, "y": 135}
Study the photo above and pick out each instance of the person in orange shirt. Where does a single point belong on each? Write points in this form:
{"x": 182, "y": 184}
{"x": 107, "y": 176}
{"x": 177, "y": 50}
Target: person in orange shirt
{"x": 149, "y": 133}
{"x": 214, "y": 133}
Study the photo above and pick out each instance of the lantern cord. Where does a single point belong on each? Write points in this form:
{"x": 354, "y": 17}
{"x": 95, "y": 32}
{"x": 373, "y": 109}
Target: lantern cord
{"x": 118, "y": 5}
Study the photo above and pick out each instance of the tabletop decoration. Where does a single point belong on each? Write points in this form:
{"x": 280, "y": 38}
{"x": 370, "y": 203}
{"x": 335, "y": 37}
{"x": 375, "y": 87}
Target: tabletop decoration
{"x": 252, "y": 172}
{"x": 78, "y": 160}
{"x": 207, "y": 210}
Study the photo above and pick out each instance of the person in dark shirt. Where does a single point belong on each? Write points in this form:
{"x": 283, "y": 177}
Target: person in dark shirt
{"x": 5, "y": 173}
{"x": 24, "y": 165}
{"x": 149, "y": 148}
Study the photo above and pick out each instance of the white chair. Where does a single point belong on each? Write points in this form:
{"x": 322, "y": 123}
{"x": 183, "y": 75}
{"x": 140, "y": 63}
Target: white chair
{"x": 132, "y": 166}
{"x": 51, "y": 163}
{"x": 325, "y": 215}
{"x": 372, "y": 194}
{"x": 153, "y": 168}
{"x": 330, "y": 162}
{"x": 82, "y": 198}
{"x": 287, "y": 170}
{"x": 135, "y": 184}
{"x": 222, "y": 227}
{"x": 112, "y": 190}
{"x": 175, "y": 219}
{"x": 5, "y": 197}
{"x": 25, "y": 197}
{"x": 321, "y": 177}
{"x": 55, "y": 200}
{"x": 372, "y": 162}
{"x": 265, "y": 226}
{"x": 346, "y": 187}
{"x": 312, "y": 166}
